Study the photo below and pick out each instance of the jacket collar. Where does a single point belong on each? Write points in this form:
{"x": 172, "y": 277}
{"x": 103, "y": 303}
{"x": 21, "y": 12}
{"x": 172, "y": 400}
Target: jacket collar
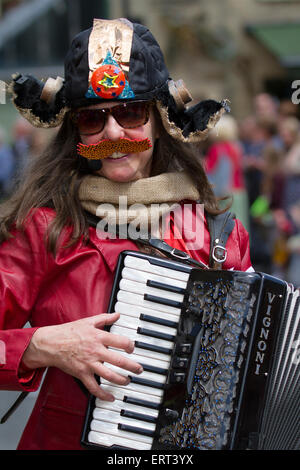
{"x": 110, "y": 248}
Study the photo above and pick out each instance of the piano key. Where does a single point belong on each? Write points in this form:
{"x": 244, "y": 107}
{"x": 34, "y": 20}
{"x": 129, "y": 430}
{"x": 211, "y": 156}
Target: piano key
{"x": 108, "y": 440}
{"x": 138, "y": 416}
{"x": 134, "y": 336}
{"x": 136, "y": 430}
{"x": 147, "y": 360}
{"x": 151, "y": 353}
{"x": 143, "y": 283}
{"x": 140, "y": 403}
{"x": 138, "y": 301}
{"x": 152, "y": 347}
{"x": 164, "y": 357}
{"x": 147, "y": 382}
{"x": 137, "y": 388}
{"x": 116, "y": 417}
{"x": 165, "y": 286}
{"x": 155, "y": 334}
{"x": 113, "y": 430}
{"x": 145, "y": 374}
{"x": 160, "y": 300}
{"x": 155, "y": 370}
{"x": 136, "y": 322}
{"x": 119, "y": 405}
{"x": 142, "y": 289}
{"x": 150, "y": 332}
{"x": 159, "y": 321}
{"x": 128, "y": 309}
{"x": 132, "y": 396}
{"x": 143, "y": 277}
{"x": 145, "y": 265}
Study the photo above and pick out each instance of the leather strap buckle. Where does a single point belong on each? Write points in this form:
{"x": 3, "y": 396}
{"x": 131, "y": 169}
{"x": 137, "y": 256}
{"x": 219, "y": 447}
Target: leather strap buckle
{"x": 219, "y": 254}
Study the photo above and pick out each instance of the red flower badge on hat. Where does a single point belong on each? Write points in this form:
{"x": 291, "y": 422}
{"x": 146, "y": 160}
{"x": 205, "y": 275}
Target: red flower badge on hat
{"x": 108, "y": 81}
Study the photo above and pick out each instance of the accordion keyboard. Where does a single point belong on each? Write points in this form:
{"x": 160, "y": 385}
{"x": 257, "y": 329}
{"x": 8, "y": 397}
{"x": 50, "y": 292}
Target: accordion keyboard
{"x": 150, "y": 300}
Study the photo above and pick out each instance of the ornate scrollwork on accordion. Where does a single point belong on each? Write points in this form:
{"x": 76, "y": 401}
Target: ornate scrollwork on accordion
{"x": 233, "y": 375}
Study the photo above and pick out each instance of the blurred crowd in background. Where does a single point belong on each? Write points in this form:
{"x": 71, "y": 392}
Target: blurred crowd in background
{"x": 256, "y": 160}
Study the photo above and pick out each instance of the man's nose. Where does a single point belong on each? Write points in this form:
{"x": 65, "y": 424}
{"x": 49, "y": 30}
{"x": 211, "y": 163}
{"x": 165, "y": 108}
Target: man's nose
{"x": 112, "y": 130}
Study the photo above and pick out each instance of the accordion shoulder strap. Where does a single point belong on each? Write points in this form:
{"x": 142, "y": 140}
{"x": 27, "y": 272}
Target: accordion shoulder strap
{"x": 220, "y": 227}
{"x": 155, "y": 243}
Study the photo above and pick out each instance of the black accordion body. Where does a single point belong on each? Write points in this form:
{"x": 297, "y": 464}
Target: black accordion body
{"x": 219, "y": 351}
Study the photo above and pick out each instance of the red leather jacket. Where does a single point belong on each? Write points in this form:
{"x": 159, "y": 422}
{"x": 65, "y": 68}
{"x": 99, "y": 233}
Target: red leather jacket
{"x": 41, "y": 289}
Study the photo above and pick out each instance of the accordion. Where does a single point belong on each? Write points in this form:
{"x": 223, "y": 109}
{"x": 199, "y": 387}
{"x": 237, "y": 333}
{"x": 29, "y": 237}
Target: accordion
{"x": 219, "y": 352}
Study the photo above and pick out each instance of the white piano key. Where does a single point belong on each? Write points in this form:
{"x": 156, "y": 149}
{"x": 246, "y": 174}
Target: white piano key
{"x": 138, "y": 388}
{"x": 112, "y": 429}
{"x": 142, "y": 357}
{"x": 145, "y": 265}
{"x": 153, "y": 354}
{"x": 144, "y": 375}
{"x": 115, "y": 417}
{"x": 143, "y": 277}
{"x": 120, "y": 393}
{"x": 108, "y": 440}
{"x": 135, "y": 323}
{"x": 147, "y": 360}
{"x": 166, "y": 358}
{"x": 119, "y": 405}
{"x": 142, "y": 289}
{"x": 133, "y": 335}
{"x": 129, "y": 309}
{"x": 138, "y": 301}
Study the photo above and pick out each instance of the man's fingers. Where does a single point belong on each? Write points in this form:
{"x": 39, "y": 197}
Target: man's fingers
{"x": 105, "y": 319}
{"x": 110, "y": 375}
{"x": 95, "y": 389}
{"x": 117, "y": 341}
{"x": 118, "y": 360}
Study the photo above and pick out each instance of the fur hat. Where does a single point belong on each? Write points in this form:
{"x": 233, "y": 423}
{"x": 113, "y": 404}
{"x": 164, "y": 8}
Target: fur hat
{"x": 115, "y": 60}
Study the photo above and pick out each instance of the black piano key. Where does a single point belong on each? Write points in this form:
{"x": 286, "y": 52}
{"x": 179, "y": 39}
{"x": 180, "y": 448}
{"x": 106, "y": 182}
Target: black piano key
{"x": 152, "y": 347}
{"x": 165, "y": 263}
{"x": 144, "y": 432}
{"x": 139, "y": 402}
{"x": 155, "y": 334}
{"x": 156, "y": 370}
{"x": 162, "y": 301}
{"x": 158, "y": 321}
{"x": 140, "y": 416}
{"x": 167, "y": 287}
{"x": 147, "y": 382}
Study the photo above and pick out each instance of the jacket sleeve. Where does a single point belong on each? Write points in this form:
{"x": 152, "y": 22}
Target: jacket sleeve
{"x": 22, "y": 269}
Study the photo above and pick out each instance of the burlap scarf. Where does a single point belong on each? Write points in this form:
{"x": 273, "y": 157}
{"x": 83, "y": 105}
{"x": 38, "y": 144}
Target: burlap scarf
{"x": 141, "y": 201}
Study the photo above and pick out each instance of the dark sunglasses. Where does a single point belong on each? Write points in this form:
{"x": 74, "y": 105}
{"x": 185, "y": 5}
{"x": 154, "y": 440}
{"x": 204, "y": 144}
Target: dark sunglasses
{"x": 128, "y": 115}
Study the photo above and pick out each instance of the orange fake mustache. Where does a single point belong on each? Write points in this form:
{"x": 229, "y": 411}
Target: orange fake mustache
{"x": 107, "y": 147}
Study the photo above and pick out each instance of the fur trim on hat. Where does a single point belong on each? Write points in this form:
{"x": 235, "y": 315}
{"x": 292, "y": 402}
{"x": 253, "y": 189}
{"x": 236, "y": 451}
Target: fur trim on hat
{"x": 26, "y": 95}
{"x": 194, "y": 123}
